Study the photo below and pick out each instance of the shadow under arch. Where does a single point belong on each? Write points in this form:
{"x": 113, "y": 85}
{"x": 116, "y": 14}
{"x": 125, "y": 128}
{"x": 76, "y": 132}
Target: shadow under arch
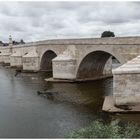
{"x": 46, "y": 60}
{"x": 92, "y": 65}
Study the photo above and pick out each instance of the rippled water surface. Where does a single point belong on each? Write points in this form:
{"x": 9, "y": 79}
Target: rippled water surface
{"x": 24, "y": 114}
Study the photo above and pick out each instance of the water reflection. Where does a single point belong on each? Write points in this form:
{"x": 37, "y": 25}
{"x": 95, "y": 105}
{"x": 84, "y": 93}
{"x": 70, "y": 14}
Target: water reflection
{"x": 24, "y": 114}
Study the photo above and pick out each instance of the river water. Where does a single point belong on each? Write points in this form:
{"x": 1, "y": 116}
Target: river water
{"x": 25, "y": 114}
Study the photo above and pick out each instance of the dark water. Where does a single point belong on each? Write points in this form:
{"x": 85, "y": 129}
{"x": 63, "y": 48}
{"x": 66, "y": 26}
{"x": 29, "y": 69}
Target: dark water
{"x": 24, "y": 114}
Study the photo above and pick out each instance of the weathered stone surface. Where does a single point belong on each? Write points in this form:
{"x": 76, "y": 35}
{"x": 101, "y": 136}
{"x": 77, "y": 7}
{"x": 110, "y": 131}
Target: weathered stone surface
{"x": 31, "y": 61}
{"x": 108, "y": 67}
{"x": 1, "y": 58}
{"x": 64, "y": 65}
{"x": 6, "y": 57}
{"x": 16, "y": 59}
{"x": 127, "y": 83}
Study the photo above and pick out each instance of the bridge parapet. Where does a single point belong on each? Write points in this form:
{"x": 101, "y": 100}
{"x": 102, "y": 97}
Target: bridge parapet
{"x": 126, "y": 83}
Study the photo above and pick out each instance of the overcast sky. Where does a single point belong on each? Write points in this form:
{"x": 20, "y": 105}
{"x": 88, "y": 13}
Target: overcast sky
{"x": 34, "y": 21}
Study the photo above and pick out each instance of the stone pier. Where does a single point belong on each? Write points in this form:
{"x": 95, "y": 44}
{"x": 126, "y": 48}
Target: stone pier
{"x": 16, "y": 59}
{"x": 6, "y": 58}
{"x": 31, "y": 61}
{"x": 126, "y": 83}
{"x": 64, "y": 65}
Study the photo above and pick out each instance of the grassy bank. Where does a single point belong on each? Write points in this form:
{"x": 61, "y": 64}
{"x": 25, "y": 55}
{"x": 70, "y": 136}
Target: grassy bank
{"x": 115, "y": 129}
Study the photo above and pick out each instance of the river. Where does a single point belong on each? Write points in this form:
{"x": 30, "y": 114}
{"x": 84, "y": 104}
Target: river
{"x": 25, "y": 114}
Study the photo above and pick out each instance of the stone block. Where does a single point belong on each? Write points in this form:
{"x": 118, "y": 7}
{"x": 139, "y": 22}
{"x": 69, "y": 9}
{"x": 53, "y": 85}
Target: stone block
{"x": 64, "y": 65}
{"x": 6, "y": 58}
{"x": 16, "y": 60}
{"x": 126, "y": 84}
{"x": 30, "y": 64}
{"x": 31, "y": 61}
{"x": 64, "y": 69}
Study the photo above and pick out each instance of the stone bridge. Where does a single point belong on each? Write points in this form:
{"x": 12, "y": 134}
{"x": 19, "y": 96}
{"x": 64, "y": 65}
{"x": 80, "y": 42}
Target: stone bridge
{"x": 82, "y": 59}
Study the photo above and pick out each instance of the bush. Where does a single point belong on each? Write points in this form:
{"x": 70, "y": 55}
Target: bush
{"x": 108, "y": 34}
{"x": 113, "y": 130}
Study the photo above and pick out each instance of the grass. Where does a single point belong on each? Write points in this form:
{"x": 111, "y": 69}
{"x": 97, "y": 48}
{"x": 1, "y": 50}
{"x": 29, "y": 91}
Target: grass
{"x": 112, "y": 130}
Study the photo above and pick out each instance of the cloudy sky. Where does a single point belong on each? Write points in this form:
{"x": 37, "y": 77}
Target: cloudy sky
{"x": 34, "y": 21}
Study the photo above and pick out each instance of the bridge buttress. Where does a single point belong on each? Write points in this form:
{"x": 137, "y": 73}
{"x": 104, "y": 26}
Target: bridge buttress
{"x": 64, "y": 65}
{"x": 31, "y": 61}
{"x": 16, "y": 59}
{"x": 126, "y": 83}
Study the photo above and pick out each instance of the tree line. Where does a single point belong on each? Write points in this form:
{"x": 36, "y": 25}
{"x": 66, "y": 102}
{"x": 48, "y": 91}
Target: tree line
{"x": 13, "y": 42}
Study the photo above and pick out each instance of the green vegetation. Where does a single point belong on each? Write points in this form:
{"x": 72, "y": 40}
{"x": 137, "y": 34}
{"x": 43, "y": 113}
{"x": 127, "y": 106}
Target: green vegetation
{"x": 112, "y": 130}
{"x": 17, "y": 43}
{"x": 108, "y": 34}
{"x": 22, "y": 42}
{"x": 14, "y": 43}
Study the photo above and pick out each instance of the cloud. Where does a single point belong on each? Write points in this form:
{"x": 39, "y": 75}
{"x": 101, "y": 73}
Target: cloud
{"x": 34, "y": 21}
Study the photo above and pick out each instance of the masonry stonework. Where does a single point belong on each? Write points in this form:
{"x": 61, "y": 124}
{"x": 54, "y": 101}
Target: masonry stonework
{"x": 71, "y": 52}
{"x": 16, "y": 59}
{"x": 126, "y": 83}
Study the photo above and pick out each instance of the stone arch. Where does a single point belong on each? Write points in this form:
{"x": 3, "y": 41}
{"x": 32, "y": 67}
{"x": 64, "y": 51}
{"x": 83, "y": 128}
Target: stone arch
{"x": 46, "y": 60}
{"x": 92, "y": 64}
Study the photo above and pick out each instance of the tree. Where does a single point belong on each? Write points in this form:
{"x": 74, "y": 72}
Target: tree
{"x": 15, "y": 42}
{"x": 108, "y": 34}
{"x": 22, "y": 42}
{"x": 1, "y": 43}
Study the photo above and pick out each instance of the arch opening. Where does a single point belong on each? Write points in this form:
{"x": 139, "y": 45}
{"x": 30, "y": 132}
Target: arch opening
{"x": 46, "y": 61}
{"x": 94, "y": 64}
